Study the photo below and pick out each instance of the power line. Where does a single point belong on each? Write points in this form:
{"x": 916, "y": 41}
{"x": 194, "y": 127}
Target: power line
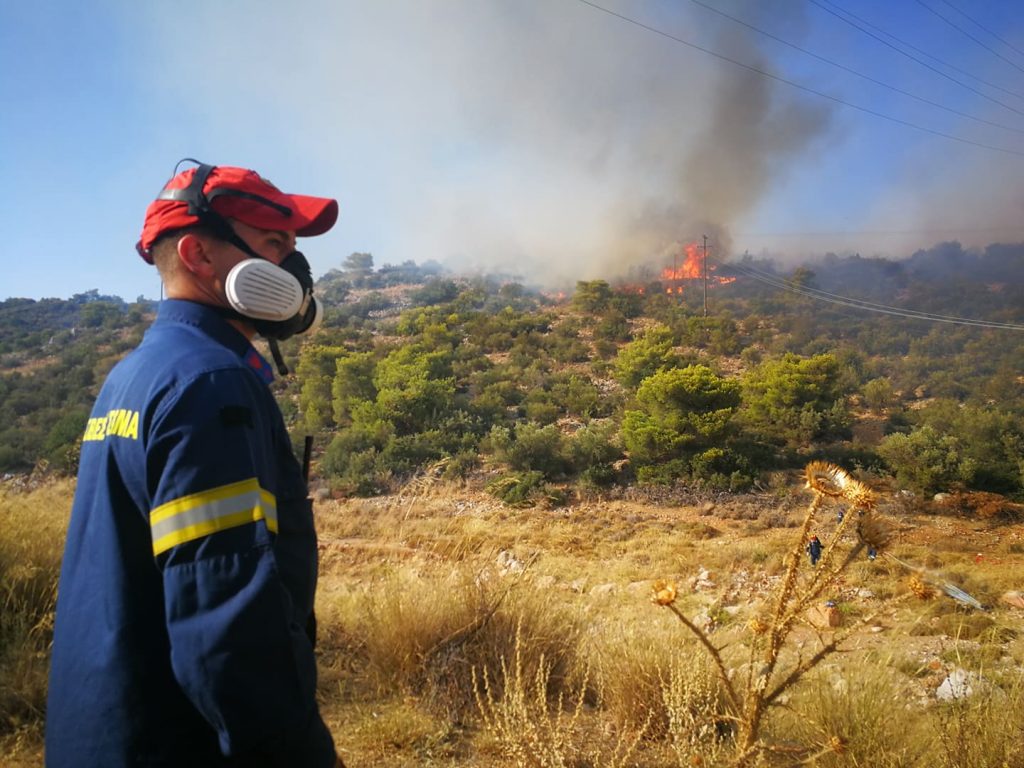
{"x": 968, "y": 35}
{"x": 914, "y": 48}
{"x": 868, "y": 306}
{"x": 914, "y": 58}
{"x": 981, "y": 26}
{"x": 879, "y": 308}
{"x": 855, "y": 72}
{"x": 833, "y": 233}
{"x": 793, "y": 84}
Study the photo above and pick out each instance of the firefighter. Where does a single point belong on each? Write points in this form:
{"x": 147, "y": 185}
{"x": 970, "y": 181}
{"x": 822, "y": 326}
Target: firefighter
{"x": 814, "y": 549}
{"x": 184, "y": 631}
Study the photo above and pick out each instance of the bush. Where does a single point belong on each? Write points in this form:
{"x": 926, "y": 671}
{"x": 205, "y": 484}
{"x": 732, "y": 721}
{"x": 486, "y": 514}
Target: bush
{"x": 456, "y": 627}
{"x": 795, "y": 401}
{"x": 531, "y": 448}
{"x": 646, "y": 356}
{"x": 593, "y": 450}
{"x": 678, "y": 411}
{"x": 926, "y": 461}
{"x": 521, "y": 489}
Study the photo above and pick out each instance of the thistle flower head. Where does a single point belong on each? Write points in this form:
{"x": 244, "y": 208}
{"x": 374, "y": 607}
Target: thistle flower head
{"x": 664, "y": 592}
{"x": 837, "y": 744}
{"x": 874, "y": 531}
{"x": 919, "y": 588}
{"x": 757, "y": 625}
{"x": 830, "y": 480}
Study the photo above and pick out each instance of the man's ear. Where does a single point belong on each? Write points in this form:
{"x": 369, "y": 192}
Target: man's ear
{"x": 194, "y": 255}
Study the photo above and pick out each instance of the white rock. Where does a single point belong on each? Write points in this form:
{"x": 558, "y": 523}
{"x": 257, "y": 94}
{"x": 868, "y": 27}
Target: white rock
{"x": 959, "y": 685}
{"x": 508, "y": 563}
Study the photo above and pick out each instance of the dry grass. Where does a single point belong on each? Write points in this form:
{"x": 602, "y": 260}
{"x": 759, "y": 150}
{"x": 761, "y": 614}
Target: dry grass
{"x": 856, "y": 717}
{"x": 456, "y": 631}
{"x": 538, "y": 722}
{"x": 32, "y": 526}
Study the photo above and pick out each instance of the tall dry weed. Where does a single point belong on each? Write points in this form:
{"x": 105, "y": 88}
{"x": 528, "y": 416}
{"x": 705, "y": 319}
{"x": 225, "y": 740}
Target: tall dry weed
{"x": 541, "y": 725}
{"x": 856, "y": 716}
{"x": 32, "y": 528}
{"x": 423, "y": 636}
{"x": 697, "y": 718}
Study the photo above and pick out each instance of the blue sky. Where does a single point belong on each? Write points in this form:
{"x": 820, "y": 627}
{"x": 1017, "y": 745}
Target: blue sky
{"x": 543, "y": 138}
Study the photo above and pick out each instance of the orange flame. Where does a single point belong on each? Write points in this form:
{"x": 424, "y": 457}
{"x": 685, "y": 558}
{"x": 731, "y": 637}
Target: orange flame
{"x": 691, "y": 268}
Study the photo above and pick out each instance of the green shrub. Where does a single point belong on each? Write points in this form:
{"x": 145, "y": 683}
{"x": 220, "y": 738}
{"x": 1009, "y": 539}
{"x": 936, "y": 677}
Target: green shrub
{"x": 520, "y": 489}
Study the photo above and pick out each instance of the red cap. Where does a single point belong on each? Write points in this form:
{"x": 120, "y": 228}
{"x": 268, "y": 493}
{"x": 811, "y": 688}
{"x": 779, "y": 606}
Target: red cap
{"x": 237, "y": 193}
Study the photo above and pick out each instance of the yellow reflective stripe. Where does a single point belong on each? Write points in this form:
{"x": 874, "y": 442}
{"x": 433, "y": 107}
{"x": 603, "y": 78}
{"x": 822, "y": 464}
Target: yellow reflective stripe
{"x": 200, "y": 514}
{"x": 193, "y": 500}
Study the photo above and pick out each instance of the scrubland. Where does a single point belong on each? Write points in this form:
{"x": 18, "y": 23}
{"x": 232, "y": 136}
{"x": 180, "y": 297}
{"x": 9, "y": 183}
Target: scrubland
{"x": 458, "y": 631}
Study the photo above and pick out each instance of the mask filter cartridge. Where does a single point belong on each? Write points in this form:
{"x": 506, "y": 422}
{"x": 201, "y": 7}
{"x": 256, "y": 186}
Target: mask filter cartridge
{"x": 261, "y": 290}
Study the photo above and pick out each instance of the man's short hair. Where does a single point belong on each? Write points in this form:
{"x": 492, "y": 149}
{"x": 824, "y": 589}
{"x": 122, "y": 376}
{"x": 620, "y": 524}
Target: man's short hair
{"x": 165, "y": 249}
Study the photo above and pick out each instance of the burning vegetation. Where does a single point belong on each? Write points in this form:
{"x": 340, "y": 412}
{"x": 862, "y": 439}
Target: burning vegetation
{"x": 694, "y": 266}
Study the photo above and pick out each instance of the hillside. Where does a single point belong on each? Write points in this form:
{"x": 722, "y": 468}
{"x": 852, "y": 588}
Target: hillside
{"x": 615, "y": 384}
{"x": 426, "y": 593}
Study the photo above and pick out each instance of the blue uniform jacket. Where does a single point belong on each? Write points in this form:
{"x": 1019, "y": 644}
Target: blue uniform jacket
{"x": 190, "y": 567}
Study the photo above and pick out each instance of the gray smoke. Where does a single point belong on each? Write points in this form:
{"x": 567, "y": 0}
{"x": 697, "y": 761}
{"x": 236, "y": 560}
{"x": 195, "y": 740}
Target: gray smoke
{"x": 750, "y": 132}
{"x": 546, "y": 139}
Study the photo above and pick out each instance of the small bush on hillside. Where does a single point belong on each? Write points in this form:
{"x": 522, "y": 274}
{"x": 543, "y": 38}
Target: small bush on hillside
{"x": 531, "y": 449}
{"x": 521, "y": 489}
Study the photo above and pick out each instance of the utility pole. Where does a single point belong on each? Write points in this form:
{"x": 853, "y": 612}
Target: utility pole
{"x": 705, "y": 275}
{"x": 674, "y": 285}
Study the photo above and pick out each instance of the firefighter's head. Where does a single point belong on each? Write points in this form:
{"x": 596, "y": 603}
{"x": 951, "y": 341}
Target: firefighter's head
{"x": 226, "y": 236}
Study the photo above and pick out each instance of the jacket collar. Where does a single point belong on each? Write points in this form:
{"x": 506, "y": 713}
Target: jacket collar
{"x": 210, "y": 322}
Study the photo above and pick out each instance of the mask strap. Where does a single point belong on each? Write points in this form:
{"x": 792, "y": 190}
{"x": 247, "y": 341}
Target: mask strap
{"x": 275, "y": 352}
{"x": 275, "y": 349}
{"x": 199, "y": 205}
{"x": 284, "y": 210}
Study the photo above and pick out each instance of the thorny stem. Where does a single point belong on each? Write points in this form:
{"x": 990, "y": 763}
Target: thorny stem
{"x": 794, "y": 561}
{"x": 822, "y": 580}
{"x": 715, "y": 655}
{"x": 788, "y": 607}
{"x": 786, "y": 611}
{"x": 801, "y": 669}
{"x": 779, "y": 626}
{"x": 826, "y": 556}
{"x": 743, "y": 757}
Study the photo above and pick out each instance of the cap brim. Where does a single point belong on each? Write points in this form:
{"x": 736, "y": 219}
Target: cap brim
{"x": 313, "y": 215}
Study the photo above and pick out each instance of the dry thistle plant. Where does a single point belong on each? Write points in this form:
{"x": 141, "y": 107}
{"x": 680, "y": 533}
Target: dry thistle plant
{"x": 749, "y": 697}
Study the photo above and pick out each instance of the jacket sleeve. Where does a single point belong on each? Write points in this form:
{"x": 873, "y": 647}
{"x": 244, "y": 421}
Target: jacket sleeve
{"x": 238, "y": 645}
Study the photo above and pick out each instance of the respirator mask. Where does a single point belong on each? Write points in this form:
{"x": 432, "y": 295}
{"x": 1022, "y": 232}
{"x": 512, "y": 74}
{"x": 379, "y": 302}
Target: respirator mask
{"x": 277, "y": 299}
